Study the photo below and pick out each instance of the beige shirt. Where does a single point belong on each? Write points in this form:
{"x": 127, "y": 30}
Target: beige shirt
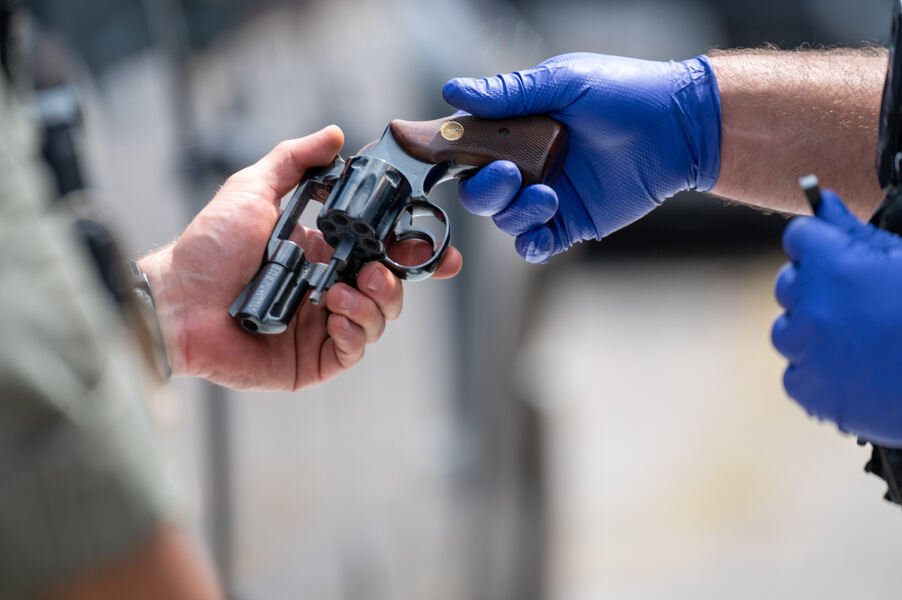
{"x": 80, "y": 477}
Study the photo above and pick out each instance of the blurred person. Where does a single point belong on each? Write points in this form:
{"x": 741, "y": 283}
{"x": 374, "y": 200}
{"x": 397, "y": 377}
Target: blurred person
{"x": 743, "y": 125}
{"x": 85, "y": 510}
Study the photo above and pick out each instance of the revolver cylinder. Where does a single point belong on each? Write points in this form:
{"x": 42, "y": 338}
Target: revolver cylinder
{"x": 364, "y": 206}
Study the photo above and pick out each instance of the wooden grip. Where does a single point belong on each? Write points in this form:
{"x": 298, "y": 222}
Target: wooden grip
{"x": 536, "y": 144}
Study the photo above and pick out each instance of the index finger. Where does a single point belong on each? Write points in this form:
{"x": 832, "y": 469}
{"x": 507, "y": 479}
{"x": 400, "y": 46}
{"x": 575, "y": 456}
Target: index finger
{"x": 807, "y": 237}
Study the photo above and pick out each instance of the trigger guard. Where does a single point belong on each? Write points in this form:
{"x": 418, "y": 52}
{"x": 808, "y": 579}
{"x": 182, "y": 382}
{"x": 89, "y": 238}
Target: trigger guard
{"x": 415, "y": 234}
{"x": 425, "y": 269}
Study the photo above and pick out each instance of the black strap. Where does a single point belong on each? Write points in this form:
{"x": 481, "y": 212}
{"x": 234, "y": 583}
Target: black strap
{"x": 5, "y": 13}
{"x": 886, "y": 463}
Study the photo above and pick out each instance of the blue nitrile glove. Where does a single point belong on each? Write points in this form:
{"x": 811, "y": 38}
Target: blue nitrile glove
{"x": 640, "y": 132}
{"x": 842, "y": 329}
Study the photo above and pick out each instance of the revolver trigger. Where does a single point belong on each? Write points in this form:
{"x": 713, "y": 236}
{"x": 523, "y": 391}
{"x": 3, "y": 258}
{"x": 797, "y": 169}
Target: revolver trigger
{"x": 405, "y": 230}
{"x": 402, "y": 234}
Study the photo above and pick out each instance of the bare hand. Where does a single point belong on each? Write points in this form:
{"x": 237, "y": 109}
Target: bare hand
{"x": 195, "y": 279}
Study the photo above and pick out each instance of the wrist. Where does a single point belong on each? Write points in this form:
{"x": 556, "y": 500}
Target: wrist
{"x": 698, "y": 95}
{"x": 169, "y": 302}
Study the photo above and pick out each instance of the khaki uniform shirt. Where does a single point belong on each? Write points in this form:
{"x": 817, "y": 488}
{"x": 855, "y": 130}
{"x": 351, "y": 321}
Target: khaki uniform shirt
{"x": 80, "y": 477}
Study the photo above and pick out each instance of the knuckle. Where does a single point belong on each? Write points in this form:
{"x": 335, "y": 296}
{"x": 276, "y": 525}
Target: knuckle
{"x": 397, "y": 307}
{"x": 350, "y": 358}
{"x": 237, "y": 178}
{"x": 375, "y": 328}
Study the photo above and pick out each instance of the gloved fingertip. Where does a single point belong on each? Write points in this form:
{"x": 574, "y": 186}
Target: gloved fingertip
{"x": 534, "y": 206}
{"x": 795, "y": 236}
{"x": 782, "y": 339}
{"x": 489, "y": 97}
{"x": 835, "y": 212}
{"x": 801, "y": 386}
{"x": 544, "y": 198}
{"x": 536, "y": 246}
{"x": 785, "y": 285}
{"x": 792, "y": 384}
{"x": 817, "y": 238}
{"x": 463, "y": 92}
{"x": 451, "y": 90}
{"x": 490, "y": 190}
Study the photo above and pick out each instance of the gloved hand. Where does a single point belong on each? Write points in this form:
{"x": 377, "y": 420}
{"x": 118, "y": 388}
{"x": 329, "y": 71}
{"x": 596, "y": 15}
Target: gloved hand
{"x": 842, "y": 329}
{"x": 640, "y": 132}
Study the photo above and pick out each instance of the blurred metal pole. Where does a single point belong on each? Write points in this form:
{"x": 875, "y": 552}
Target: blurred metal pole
{"x": 501, "y": 432}
{"x": 168, "y": 26}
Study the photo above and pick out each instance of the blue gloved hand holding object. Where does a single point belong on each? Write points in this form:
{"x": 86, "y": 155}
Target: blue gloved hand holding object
{"x": 640, "y": 131}
{"x": 842, "y": 329}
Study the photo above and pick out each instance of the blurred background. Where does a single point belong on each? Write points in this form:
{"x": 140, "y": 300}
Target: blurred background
{"x": 609, "y": 425}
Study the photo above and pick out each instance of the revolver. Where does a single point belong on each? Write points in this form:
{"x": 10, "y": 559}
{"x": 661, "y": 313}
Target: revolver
{"x": 379, "y": 197}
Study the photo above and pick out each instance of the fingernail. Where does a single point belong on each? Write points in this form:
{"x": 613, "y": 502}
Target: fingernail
{"x": 376, "y": 282}
{"x": 346, "y": 300}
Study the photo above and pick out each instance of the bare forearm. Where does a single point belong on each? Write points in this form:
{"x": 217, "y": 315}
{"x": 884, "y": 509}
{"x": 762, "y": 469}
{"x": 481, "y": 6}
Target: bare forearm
{"x": 167, "y": 565}
{"x": 790, "y": 113}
